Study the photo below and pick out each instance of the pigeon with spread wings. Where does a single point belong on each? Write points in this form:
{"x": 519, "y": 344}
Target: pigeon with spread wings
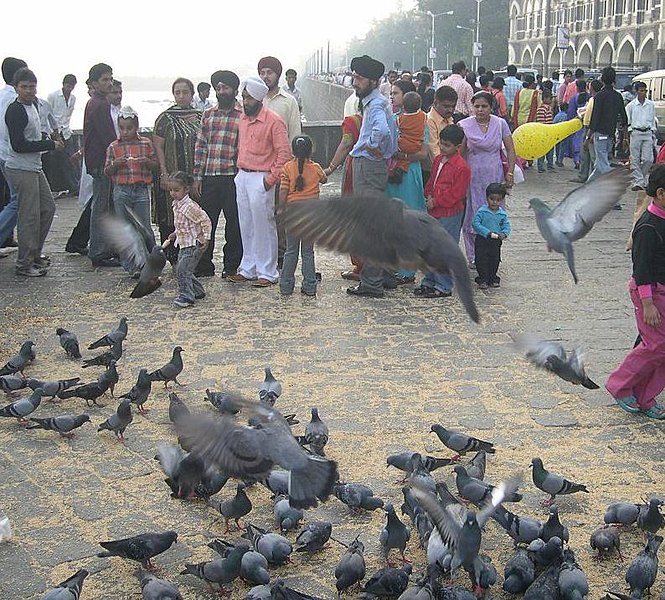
{"x": 386, "y": 233}
{"x": 249, "y": 453}
{"x": 578, "y": 212}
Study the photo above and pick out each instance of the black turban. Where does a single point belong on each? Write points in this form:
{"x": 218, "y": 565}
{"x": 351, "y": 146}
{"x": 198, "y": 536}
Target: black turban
{"x": 366, "y": 66}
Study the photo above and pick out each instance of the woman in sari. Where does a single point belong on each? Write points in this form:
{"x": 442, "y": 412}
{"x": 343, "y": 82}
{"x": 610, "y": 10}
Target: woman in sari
{"x": 579, "y": 100}
{"x": 485, "y": 135}
{"x": 174, "y": 137}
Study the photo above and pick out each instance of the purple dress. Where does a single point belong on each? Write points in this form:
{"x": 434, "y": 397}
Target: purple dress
{"x": 483, "y": 155}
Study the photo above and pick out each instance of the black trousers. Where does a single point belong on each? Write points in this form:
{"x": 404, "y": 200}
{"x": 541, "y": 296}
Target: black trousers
{"x": 218, "y": 194}
{"x": 80, "y": 235}
{"x": 488, "y": 257}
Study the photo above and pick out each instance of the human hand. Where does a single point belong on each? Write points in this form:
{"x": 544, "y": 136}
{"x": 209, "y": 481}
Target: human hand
{"x": 195, "y": 190}
{"x": 430, "y": 203}
{"x": 651, "y": 314}
{"x": 502, "y": 236}
{"x": 58, "y": 145}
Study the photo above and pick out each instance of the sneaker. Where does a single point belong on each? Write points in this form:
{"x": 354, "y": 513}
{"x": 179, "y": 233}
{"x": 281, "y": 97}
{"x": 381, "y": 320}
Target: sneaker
{"x": 495, "y": 284}
{"x": 31, "y": 271}
{"x": 482, "y": 285}
{"x": 182, "y": 302}
{"x": 655, "y": 412}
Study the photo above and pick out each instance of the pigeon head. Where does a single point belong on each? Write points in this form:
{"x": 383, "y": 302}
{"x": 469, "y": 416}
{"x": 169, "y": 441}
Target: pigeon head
{"x": 84, "y": 419}
{"x": 554, "y": 511}
{"x": 60, "y": 331}
{"x": 436, "y": 428}
{"x": 389, "y": 509}
{"x": 356, "y": 545}
{"x": 538, "y": 205}
{"x": 178, "y": 349}
{"x": 27, "y": 347}
{"x": 171, "y": 536}
{"x": 536, "y": 462}
{"x": 315, "y": 414}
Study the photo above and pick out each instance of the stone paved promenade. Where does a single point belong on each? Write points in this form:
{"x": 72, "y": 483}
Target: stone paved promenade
{"x": 380, "y": 371}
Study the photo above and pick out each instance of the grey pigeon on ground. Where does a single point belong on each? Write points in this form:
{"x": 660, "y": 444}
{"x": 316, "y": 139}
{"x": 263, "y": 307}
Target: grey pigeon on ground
{"x": 277, "y": 482}
{"x": 552, "y": 356}
{"x": 313, "y": 536}
{"x": 21, "y": 360}
{"x": 641, "y": 574}
{"x": 104, "y": 359}
{"x": 545, "y": 586}
{"x": 69, "y": 343}
{"x": 140, "y": 391}
{"x": 110, "y": 377}
{"x": 253, "y": 565}
{"x": 357, "y": 496}
{"x": 280, "y": 591}
{"x": 553, "y": 527}
{"x": 184, "y": 471}
{"x": 316, "y": 434}
{"x": 418, "y": 516}
{"x": 23, "y": 407}
{"x": 578, "y": 212}
{"x": 404, "y": 461}
{"x": 605, "y": 539}
{"x": 154, "y": 588}
{"x": 394, "y": 534}
{"x": 270, "y": 389}
{"x": 388, "y": 582}
{"x": 519, "y": 572}
{"x": 477, "y": 491}
{"x": 64, "y": 424}
{"x": 546, "y": 553}
{"x": 53, "y": 388}
{"x": 69, "y": 589}
{"x": 387, "y": 233}
{"x": 12, "y": 383}
{"x": 425, "y": 588}
{"x": 177, "y": 408}
{"x": 171, "y": 370}
{"x": 351, "y": 569}
{"x": 118, "y": 422}
{"x": 477, "y": 465}
{"x": 233, "y": 508}
{"x": 249, "y": 453}
{"x": 621, "y": 513}
{"x": 573, "y": 583}
{"x": 221, "y": 571}
{"x": 460, "y": 442}
{"x": 650, "y": 519}
{"x": 276, "y": 548}
{"x": 223, "y": 402}
{"x": 419, "y": 475}
{"x": 523, "y": 530}
{"x": 141, "y": 548}
{"x": 118, "y": 334}
{"x": 286, "y": 516}
{"x": 89, "y": 392}
{"x": 551, "y": 483}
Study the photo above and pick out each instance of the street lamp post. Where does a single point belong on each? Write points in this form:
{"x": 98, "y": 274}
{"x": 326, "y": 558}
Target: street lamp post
{"x": 472, "y": 34}
{"x": 433, "y": 47}
{"x": 477, "y": 57}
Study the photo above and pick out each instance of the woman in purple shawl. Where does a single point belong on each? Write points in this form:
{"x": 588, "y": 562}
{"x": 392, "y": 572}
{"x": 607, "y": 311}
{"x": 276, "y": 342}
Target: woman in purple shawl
{"x": 485, "y": 134}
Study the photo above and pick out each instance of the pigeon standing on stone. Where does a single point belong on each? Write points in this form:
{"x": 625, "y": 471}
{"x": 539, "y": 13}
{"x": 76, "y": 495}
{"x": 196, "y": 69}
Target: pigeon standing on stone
{"x": 604, "y": 540}
{"x": 573, "y": 583}
{"x": 118, "y": 334}
{"x": 223, "y": 402}
{"x": 110, "y": 377}
{"x": 394, "y": 535}
{"x": 276, "y": 548}
{"x": 64, "y": 424}
{"x": 418, "y": 516}
{"x": 253, "y": 565}
{"x": 104, "y": 359}
{"x": 460, "y": 442}
{"x": 69, "y": 589}
{"x": 53, "y": 388}
{"x": 388, "y": 582}
{"x": 357, "y": 496}
{"x": 546, "y": 553}
{"x": 386, "y": 233}
{"x": 475, "y": 490}
{"x": 277, "y": 482}
{"x": 523, "y": 530}
{"x": 140, "y": 391}
{"x": 154, "y": 588}
{"x": 221, "y": 571}
{"x": 21, "y": 360}
{"x": 177, "y": 408}
{"x": 313, "y": 536}
{"x": 551, "y": 483}
{"x": 233, "y": 508}
{"x": 650, "y": 519}
{"x": 12, "y": 383}
{"x": 519, "y": 572}
{"x": 316, "y": 433}
{"x": 641, "y": 574}
{"x": 23, "y": 407}
{"x": 621, "y": 513}
{"x": 171, "y": 370}
{"x": 286, "y": 516}
{"x": 553, "y": 527}
{"x": 270, "y": 389}
{"x": 351, "y": 569}
{"x": 578, "y": 212}
{"x": 89, "y": 392}
{"x": 141, "y": 548}
{"x": 118, "y": 422}
{"x": 69, "y": 343}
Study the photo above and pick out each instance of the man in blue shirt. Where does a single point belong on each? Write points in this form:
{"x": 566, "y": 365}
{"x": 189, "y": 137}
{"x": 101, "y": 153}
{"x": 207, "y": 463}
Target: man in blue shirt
{"x": 376, "y": 144}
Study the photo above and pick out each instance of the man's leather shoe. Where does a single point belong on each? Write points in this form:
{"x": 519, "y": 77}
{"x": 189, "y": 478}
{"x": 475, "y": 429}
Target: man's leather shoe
{"x": 359, "y": 290}
{"x": 106, "y": 262}
{"x": 83, "y": 251}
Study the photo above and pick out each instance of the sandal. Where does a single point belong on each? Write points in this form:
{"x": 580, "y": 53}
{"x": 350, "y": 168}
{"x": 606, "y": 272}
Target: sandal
{"x": 422, "y": 289}
{"x": 655, "y": 412}
{"x": 629, "y": 404}
{"x": 431, "y": 293}
{"x": 350, "y": 275}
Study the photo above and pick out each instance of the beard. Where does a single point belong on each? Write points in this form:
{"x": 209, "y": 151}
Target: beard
{"x": 253, "y": 109}
{"x": 226, "y": 102}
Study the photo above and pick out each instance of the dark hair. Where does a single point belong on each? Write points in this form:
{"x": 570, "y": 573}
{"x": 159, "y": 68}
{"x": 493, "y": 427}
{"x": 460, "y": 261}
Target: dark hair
{"x": 555, "y": 74}
{"x": 203, "y": 85}
{"x": 96, "y": 71}
{"x": 24, "y": 74}
{"x": 290, "y": 72}
{"x": 608, "y": 75}
{"x": 498, "y": 83}
{"x": 485, "y": 96}
{"x": 116, "y": 83}
{"x": 547, "y": 95}
{"x": 579, "y": 73}
{"x": 639, "y": 85}
{"x": 511, "y": 70}
{"x": 70, "y": 79}
{"x": 484, "y": 80}
{"x": 563, "y": 107}
{"x": 181, "y": 177}
{"x": 301, "y": 146}
{"x": 547, "y": 85}
{"x": 405, "y": 86}
{"x": 481, "y": 70}
{"x": 496, "y": 188}
{"x": 596, "y": 85}
{"x": 490, "y": 74}
{"x": 471, "y": 79}
{"x": 656, "y": 180}
{"x": 445, "y": 92}
{"x": 453, "y": 134}
{"x": 133, "y": 119}
{"x": 458, "y": 67}
{"x": 581, "y": 85}
{"x": 425, "y": 81}
{"x": 425, "y": 69}
{"x": 392, "y": 72}
{"x": 412, "y": 102}
{"x": 567, "y": 72}
{"x": 9, "y": 67}
{"x": 190, "y": 85}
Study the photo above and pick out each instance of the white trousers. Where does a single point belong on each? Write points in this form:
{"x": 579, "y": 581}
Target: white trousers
{"x": 256, "y": 214}
{"x": 641, "y": 156}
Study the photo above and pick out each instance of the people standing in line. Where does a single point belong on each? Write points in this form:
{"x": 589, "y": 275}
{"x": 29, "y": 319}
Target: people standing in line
{"x": 544, "y": 115}
{"x": 492, "y": 226}
{"x": 23, "y": 168}
{"x": 641, "y": 115}
{"x": 192, "y": 233}
{"x": 446, "y": 191}
{"x": 291, "y": 87}
{"x": 376, "y": 144}
{"x": 263, "y": 149}
{"x": 464, "y": 91}
{"x": 201, "y": 100}
{"x": 62, "y": 103}
{"x": 526, "y": 102}
{"x": 511, "y": 87}
{"x": 215, "y": 169}
{"x": 438, "y": 118}
{"x": 300, "y": 181}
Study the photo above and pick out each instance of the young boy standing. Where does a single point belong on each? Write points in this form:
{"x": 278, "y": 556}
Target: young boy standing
{"x": 492, "y": 226}
{"x": 544, "y": 115}
{"x": 130, "y": 163}
{"x": 445, "y": 193}
{"x": 24, "y": 172}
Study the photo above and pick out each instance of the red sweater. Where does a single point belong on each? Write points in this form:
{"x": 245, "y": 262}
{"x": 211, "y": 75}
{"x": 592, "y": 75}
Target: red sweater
{"x": 448, "y": 186}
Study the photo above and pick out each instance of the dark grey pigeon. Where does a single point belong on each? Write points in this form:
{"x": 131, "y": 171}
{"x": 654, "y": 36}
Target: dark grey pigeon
{"x": 253, "y": 565}
{"x": 460, "y": 442}
{"x": 641, "y": 574}
{"x": 171, "y": 370}
{"x": 316, "y": 433}
{"x": 477, "y": 491}
{"x": 523, "y": 530}
{"x": 418, "y": 516}
{"x": 350, "y": 570}
{"x": 270, "y": 389}
{"x": 545, "y": 586}
{"x": 573, "y": 583}
{"x": 23, "y": 407}
{"x": 552, "y": 357}
{"x": 425, "y": 588}
{"x": 141, "y": 548}
{"x": 546, "y": 553}
{"x": 404, "y": 460}
{"x": 221, "y": 571}
{"x": 605, "y": 539}
{"x": 386, "y": 233}
{"x": 313, "y": 536}
{"x": 118, "y": 334}
{"x": 286, "y": 516}
{"x": 553, "y": 527}
{"x": 276, "y": 548}
{"x": 89, "y": 392}
{"x": 419, "y": 475}
{"x": 69, "y": 589}
{"x": 12, "y": 383}
{"x": 118, "y": 422}
{"x": 277, "y": 482}
{"x": 650, "y": 519}
{"x": 53, "y": 388}
{"x": 519, "y": 572}
{"x": 476, "y": 466}
{"x": 69, "y": 343}
{"x": 357, "y": 496}
{"x": 394, "y": 534}
{"x": 110, "y": 377}
{"x": 177, "y": 408}
{"x": 621, "y": 513}
{"x": 222, "y": 401}
{"x": 154, "y": 588}
{"x": 140, "y": 391}
{"x": 21, "y": 360}
{"x": 280, "y": 591}
{"x": 578, "y": 212}
{"x": 250, "y": 453}
{"x": 388, "y": 582}
{"x": 184, "y": 471}
{"x": 64, "y": 425}
{"x": 104, "y": 359}
{"x": 552, "y": 483}
{"x": 233, "y": 508}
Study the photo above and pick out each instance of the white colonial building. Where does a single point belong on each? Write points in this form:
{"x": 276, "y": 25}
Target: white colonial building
{"x": 624, "y": 33}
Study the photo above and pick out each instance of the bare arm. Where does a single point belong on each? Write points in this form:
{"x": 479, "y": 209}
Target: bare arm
{"x": 510, "y": 153}
{"x": 340, "y": 155}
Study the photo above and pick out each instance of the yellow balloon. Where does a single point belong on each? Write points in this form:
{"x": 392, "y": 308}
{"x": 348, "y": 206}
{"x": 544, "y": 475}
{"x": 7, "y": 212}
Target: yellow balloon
{"x": 533, "y": 140}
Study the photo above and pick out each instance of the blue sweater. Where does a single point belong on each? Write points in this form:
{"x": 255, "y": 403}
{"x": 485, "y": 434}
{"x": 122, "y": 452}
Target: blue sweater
{"x": 486, "y": 222}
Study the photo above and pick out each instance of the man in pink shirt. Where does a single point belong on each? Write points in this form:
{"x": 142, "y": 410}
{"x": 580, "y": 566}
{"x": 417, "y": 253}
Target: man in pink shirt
{"x": 263, "y": 149}
{"x": 462, "y": 87}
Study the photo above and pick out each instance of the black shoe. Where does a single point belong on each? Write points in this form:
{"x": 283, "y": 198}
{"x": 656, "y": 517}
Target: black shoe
{"x": 617, "y": 207}
{"x": 75, "y": 250}
{"x": 636, "y": 188}
{"x": 200, "y": 296}
{"x": 106, "y": 262}
{"x": 227, "y": 274}
{"x": 199, "y": 274}
{"x": 10, "y": 243}
{"x": 318, "y": 276}
{"x": 390, "y": 282}
{"x": 359, "y": 290}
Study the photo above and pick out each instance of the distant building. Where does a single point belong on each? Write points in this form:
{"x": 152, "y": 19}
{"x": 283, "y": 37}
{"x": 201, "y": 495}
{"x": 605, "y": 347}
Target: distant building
{"x": 623, "y": 33}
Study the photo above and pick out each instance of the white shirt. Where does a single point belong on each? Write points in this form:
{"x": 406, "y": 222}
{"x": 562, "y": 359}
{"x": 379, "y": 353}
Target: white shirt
{"x": 641, "y": 115}
{"x": 385, "y": 88}
{"x": 62, "y": 111}
{"x": 47, "y": 119}
{"x": 115, "y": 111}
{"x": 286, "y": 107}
{"x": 351, "y": 105}
{"x": 201, "y": 104}
{"x": 7, "y": 96}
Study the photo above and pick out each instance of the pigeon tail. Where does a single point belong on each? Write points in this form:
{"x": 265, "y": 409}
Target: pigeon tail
{"x": 145, "y": 288}
{"x": 589, "y": 384}
{"x": 570, "y": 259}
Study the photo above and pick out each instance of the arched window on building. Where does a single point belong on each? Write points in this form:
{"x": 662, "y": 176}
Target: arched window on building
{"x": 529, "y": 17}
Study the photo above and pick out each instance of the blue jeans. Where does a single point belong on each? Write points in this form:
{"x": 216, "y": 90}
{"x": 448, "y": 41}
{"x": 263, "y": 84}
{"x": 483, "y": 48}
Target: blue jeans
{"x": 287, "y": 280}
{"x": 438, "y": 281}
{"x": 137, "y": 198}
{"x": 189, "y": 287}
{"x": 9, "y": 214}
{"x": 550, "y": 160}
{"x": 601, "y": 144}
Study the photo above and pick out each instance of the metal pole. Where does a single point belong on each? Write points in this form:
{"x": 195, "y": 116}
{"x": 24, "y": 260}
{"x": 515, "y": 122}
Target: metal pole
{"x": 477, "y": 58}
{"x": 432, "y": 46}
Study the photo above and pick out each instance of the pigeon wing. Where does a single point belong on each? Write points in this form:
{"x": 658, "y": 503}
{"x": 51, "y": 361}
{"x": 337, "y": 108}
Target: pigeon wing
{"x": 502, "y": 491}
{"x": 447, "y": 519}
{"x": 126, "y": 240}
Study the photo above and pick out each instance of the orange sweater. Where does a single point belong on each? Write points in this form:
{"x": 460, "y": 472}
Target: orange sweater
{"x": 312, "y": 174}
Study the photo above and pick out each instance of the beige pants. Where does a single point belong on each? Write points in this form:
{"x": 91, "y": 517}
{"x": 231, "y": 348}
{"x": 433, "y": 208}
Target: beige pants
{"x": 641, "y": 203}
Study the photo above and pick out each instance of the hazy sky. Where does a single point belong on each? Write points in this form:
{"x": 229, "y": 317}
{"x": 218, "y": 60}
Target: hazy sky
{"x": 152, "y": 37}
